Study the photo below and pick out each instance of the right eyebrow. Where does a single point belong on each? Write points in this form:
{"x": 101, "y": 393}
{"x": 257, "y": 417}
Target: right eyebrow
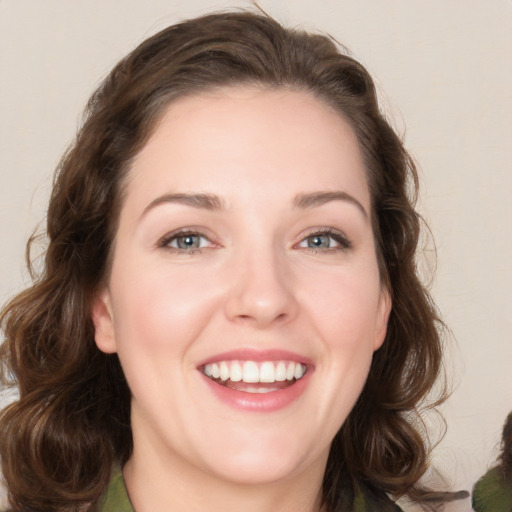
{"x": 313, "y": 199}
{"x": 204, "y": 201}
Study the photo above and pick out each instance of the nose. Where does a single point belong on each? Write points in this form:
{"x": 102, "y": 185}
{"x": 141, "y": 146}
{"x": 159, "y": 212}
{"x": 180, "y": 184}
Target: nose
{"x": 262, "y": 291}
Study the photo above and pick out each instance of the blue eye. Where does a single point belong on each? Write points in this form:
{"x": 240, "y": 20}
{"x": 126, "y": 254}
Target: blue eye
{"x": 185, "y": 242}
{"x": 325, "y": 240}
{"x": 320, "y": 241}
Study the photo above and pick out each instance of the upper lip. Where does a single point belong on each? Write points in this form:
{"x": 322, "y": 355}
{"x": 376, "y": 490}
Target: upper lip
{"x": 249, "y": 354}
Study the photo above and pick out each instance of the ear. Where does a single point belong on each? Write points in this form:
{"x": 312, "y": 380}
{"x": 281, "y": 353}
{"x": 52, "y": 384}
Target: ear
{"x": 103, "y": 319}
{"x": 383, "y": 311}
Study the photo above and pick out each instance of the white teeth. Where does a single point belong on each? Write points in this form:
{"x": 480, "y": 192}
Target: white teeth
{"x": 281, "y": 372}
{"x": 267, "y": 372}
{"x": 224, "y": 371}
{"x": 259, "y": 390}
{"x": 235, "y": 374}
{"x": 290, "y": 371}
{"x": 252, "y": 372}
{"x": 299, "y": 371}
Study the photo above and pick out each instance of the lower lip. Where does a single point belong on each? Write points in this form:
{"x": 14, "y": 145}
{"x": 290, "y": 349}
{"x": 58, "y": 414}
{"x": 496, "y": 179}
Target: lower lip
{"x": 261, "y": 402}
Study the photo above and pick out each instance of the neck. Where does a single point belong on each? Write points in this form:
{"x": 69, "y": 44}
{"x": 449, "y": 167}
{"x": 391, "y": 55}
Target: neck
{"x": 157, "y": 482}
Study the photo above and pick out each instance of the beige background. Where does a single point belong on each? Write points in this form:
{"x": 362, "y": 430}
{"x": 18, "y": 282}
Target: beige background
{"x": 445, "y": 70}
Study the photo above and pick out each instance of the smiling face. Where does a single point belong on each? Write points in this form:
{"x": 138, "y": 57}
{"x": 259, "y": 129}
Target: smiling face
{"x": 244, "y": 299}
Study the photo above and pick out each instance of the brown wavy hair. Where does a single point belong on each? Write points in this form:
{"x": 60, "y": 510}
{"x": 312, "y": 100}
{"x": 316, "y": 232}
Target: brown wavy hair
{"x": 71, "y": 424}
{"x": 505, "y": 460}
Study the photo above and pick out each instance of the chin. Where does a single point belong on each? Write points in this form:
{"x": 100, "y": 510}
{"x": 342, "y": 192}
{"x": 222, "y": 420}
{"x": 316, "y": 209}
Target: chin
{"x": 258, "y": 470}
{"x": 266, "y": 462}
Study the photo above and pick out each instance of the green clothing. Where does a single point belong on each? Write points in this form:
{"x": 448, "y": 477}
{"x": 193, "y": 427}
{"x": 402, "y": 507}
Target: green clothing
{"x": 492, "y": 494}
{"x": 116, "y": 499}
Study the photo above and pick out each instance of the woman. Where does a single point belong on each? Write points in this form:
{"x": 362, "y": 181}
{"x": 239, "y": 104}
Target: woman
{"x": 229, "y": 315}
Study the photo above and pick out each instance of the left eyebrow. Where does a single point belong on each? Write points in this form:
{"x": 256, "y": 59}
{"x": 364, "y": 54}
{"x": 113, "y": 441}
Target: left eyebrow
{"x": 310, "y": 200}
{"x": 202, "y": 201}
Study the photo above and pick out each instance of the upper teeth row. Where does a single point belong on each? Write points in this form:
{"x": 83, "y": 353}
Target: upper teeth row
{"x": 250, "y": 371}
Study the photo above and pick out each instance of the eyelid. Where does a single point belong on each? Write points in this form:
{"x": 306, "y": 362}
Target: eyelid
{"x": 164, "y": 241}
{"x": 337, "y": 235}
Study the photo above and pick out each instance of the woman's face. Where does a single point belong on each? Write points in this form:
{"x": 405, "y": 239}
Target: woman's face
{"x": 244, "y": 299}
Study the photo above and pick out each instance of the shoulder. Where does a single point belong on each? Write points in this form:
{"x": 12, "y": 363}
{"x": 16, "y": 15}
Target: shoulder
{"x": 116, "y": 498}
{"x": 368, "y": 499}
{"x": 492, "y": 494}
{"x": 370, "y": 505}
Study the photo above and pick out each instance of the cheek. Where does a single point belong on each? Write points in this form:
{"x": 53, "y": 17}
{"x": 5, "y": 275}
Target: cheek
{"x": 159, "y": 309}
{"x": 345, "y": 308}
{"x": 159, "y": 315}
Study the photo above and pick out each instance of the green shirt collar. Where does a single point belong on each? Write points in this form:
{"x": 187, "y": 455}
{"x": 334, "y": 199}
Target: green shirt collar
{"x": 116, "y": 499}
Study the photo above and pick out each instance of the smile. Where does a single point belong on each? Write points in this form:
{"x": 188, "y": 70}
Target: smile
{"x": 234, "y": 374}
{"x": 257, "y": 383}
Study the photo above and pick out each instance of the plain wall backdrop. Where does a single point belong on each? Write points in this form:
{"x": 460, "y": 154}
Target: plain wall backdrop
{"x": 445, "y": 73}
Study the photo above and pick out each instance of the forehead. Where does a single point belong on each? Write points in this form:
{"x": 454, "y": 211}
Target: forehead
{"x": 233, "y": 141}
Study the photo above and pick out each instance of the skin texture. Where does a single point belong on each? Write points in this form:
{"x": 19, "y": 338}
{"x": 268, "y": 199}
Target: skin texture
{"x": 255, "y": 283}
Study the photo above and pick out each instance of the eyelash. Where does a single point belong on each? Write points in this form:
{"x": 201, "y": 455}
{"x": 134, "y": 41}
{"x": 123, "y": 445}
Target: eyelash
{"x": 165, "y": 242}
{"x": 343, "y": 242}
